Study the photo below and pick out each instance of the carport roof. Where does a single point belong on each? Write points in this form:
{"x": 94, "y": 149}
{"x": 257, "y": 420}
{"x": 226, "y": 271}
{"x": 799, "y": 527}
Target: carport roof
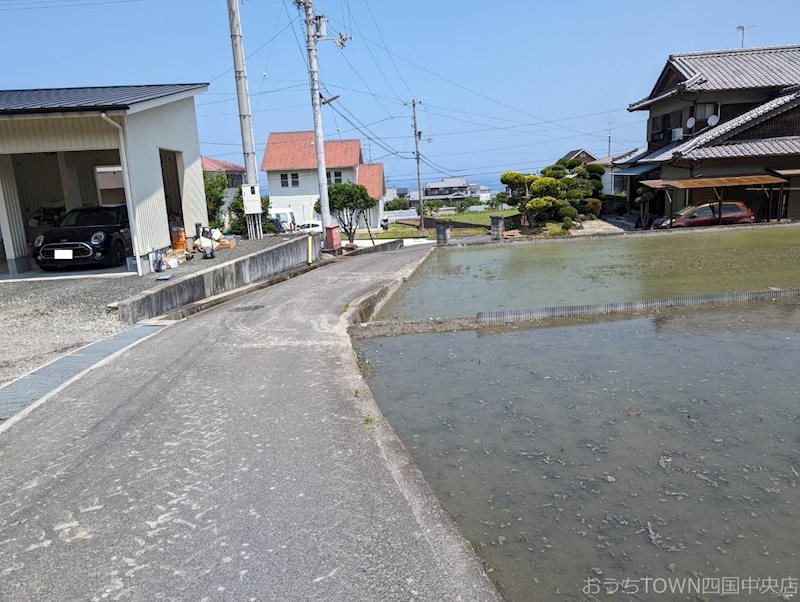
{"x": 719, "y": 182}
{"x": 107, "y": 98}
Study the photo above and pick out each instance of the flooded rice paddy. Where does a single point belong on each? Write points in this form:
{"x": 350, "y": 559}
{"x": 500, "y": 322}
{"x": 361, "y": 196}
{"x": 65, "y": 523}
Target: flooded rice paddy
{"x": 462, "y": 282}
{"x": 652, "y": 447}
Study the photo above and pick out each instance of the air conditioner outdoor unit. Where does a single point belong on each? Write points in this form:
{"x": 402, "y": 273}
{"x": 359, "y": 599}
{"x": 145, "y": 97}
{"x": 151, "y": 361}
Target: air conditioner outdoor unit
{"x": 677, "y": 134}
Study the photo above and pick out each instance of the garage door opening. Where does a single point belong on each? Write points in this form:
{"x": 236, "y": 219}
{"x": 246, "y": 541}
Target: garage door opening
{"x": 170, "y": 170}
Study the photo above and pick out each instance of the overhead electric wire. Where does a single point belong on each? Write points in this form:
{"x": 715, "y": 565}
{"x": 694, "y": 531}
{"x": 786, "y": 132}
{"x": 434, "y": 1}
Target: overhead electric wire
{"x": 378, "y": 29}
{"x": 257, "y": 50}
{"x": 353, "y": 21}
{"x": 28, "y": 6}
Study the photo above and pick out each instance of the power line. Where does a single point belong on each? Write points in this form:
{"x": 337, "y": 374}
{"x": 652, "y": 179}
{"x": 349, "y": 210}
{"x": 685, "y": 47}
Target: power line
{"x": 27, "y": 6}
{"x": 378, "y": 29}
{"x": 374, "y": 60}
{"x": 256, "y": 51}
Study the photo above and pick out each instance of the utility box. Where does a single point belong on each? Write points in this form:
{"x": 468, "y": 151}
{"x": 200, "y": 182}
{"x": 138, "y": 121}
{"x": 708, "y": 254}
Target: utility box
{"x": 333, "y": 237}
{"x": 251, "y": 195}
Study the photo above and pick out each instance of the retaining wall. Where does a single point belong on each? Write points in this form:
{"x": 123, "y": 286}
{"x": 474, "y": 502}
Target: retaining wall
{"x": 218, "y": 279}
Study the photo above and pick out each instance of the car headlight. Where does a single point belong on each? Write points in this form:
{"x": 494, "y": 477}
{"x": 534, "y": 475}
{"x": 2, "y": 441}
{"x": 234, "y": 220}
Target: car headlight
{"x": 97, "y": 238}
{"x": 39, "y": 241}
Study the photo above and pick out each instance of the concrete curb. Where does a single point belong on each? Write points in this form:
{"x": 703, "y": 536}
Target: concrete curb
{"x": 565, "y": 311}
{"x": 638, "y": 234}
{"x": 390, "y": 245}
{"x": 193, "y": 308}
{"x": 468, "y": 581}
{"x": 216, "y": 280}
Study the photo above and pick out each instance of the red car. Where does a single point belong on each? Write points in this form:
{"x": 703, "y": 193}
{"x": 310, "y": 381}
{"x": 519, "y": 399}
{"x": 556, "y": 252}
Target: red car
{"x": 705, "y": 214}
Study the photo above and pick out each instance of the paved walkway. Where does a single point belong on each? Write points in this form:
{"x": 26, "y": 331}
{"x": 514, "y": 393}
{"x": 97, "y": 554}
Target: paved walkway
{"x": 227, "y": 458}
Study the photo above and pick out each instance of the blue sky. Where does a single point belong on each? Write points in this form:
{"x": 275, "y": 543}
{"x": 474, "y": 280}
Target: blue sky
{"x": 503, "y": 85}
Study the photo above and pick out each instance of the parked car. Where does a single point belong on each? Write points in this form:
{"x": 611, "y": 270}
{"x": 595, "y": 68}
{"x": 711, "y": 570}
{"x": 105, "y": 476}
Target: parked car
{"x": 310, "y": 227}
{"x": 705, "y": 214}
{"x": 89, "y": 235}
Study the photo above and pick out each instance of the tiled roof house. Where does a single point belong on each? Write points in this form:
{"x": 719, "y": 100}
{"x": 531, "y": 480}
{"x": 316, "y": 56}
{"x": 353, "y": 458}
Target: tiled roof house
{"x": 724, "y": 113}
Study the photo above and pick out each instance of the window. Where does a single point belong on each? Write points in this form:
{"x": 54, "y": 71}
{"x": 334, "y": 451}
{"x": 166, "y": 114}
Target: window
{"x": 337, "y": 177}
{"x": 235, "y": 180}
{"x": 730, "y": 208}
{"x": 284, "y": 180}
{"x": 704, "y": 110}
{"x": 704, "y": 211}
{"x": 329, "y": 177}
{"x": 295, "y": 180}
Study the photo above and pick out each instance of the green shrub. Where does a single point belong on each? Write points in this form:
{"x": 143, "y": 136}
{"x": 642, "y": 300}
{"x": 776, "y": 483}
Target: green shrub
{"x": 573, "y": 163}
{"x": 595, "y": 169}
{"x": 590, "y": 217}
{"x": 556, "y": 230}
{"x": 567, "y": 223}
{"x": 568, "y": 213}
{"x": 554, "y": 171}
{"x": 396, "y": 205}
{"x": 544, "y": 187}
{"x": 593, "y": 206}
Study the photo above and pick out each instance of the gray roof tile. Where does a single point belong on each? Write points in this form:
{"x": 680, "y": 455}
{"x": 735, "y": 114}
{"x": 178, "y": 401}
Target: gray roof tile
{"x": 689, "y": 148}
{"x": 786, "y": 145}
{"x": 767, "y": 67}
{"x": 107, "y": 98}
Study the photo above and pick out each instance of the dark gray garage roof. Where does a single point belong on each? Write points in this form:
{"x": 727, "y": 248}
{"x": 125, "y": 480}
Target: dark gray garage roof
{"x": 108, "y": 98}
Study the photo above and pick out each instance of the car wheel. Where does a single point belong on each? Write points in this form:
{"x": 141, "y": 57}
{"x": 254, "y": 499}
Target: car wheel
{"x": 117, "y": 256}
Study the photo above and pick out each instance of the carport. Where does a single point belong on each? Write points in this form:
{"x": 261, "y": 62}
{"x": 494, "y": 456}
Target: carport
{"x": 772, "y": 208}
{"x": 67, "y": 148}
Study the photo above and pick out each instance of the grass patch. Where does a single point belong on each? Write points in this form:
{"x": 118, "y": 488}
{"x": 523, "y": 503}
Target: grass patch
{"x": 369, "y": 421}
{"x": 481, "y": 218}
{"x": 394, "y": 231}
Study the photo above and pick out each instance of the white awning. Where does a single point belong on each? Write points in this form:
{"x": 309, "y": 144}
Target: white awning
{"x": 636, "y": 170}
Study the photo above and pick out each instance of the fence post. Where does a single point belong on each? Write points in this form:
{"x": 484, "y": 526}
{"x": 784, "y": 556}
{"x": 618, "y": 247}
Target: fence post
{"x": 498, "y": 227}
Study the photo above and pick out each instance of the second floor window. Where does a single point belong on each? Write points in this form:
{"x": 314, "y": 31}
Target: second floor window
{"x": 337, "y": 177}
{"x": 295, "y": 180}
{"x": 704, "y": 110}
{"x": 284, "y": 180}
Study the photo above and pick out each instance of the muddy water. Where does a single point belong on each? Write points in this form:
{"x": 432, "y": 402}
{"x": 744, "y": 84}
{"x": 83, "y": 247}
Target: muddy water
{"x": 463, "y": 282}
{"x": 663, "y": 447}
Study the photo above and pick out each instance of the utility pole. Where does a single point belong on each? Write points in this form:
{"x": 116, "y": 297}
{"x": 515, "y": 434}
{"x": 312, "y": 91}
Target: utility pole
{"x": 417, "y": 135}
{"x": 316, "y": 29}
{"x": 251, "y": 195}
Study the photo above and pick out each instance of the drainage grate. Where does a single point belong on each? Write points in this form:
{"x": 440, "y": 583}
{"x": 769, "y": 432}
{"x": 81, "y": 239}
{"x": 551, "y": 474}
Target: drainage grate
{"x": 247, "y": 308}
{"x": 21, "y": 393}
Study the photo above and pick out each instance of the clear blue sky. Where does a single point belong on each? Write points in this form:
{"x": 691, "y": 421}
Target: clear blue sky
{"x": 545, "y": 61}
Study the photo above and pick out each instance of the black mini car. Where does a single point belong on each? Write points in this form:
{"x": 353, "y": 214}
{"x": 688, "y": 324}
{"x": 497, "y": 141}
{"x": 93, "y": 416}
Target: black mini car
{"x": 89, "y": 235}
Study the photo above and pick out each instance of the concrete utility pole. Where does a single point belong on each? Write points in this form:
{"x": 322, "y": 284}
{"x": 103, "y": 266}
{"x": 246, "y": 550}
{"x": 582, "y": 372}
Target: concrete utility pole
{"x": 417, "y": 135}
{"x": 251, "y": 194}
{"x": 316, "y": 29}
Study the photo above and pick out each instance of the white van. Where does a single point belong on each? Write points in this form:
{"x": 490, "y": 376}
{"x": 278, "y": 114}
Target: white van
{"x": 286, "y": 217}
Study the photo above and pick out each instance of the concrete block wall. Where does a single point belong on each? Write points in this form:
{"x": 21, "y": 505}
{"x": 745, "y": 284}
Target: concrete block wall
{"x": 218, "y": 279}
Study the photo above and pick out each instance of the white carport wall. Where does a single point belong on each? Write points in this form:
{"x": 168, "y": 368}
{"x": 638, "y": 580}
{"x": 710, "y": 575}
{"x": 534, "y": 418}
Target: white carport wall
{"x": 139, "y": 123}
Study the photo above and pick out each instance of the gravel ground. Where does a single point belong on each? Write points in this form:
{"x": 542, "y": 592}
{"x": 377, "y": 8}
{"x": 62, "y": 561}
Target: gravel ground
{"x": 45, "y": 319}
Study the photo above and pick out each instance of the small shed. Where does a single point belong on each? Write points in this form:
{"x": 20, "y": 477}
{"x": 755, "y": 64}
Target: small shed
{"x": 66, "y": 148}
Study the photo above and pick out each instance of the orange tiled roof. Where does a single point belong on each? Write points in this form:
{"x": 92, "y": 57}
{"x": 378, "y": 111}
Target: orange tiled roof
{"x": 370, "y": 175}
{"x": 296, "y": 150}
{"x": 211, "y": 164}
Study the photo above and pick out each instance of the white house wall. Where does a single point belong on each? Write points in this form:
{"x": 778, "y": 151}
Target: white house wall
{"x": 170, "y": 127}
{"x": 56, "y": 134}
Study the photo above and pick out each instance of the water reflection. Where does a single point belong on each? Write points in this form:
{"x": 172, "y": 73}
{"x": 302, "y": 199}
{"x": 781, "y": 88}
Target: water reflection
{"x": 651, "y": 447}
{"x": 463, "y": 282}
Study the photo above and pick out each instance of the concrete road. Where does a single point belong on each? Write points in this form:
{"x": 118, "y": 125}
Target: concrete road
{"x": 227, "y": 458}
